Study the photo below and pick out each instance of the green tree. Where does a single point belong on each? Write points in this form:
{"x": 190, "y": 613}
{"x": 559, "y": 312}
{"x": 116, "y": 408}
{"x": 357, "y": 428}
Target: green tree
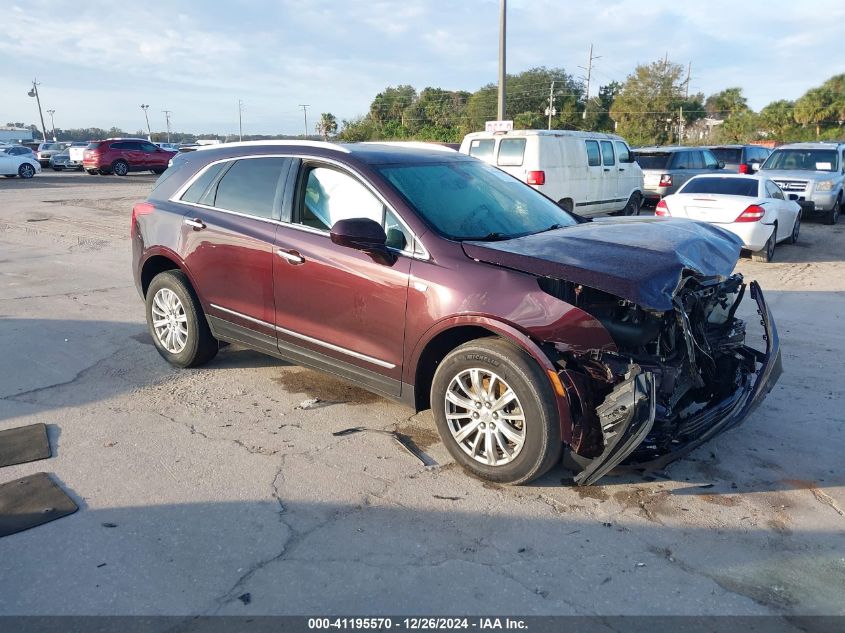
{"x": 327, "y": 125}
{"x": 726, "y": 103}
{"x": 598, "y": 108}
{"x": 776, "y": 119}
{"x": 814, "y": 108}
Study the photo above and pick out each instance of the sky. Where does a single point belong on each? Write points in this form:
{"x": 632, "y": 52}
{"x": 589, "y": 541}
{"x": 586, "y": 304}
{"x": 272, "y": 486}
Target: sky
{"x": 96, "y": 62}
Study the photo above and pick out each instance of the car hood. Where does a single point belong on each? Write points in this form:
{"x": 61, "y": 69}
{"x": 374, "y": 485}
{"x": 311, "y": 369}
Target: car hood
{"x": 639, "y": 259}
{"x": 798, "y": 174}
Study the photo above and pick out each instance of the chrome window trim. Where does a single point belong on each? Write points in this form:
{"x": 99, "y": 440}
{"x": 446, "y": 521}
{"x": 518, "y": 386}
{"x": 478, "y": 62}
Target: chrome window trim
{"x": 310, "y": 339}
{"x": 176, "y": 198}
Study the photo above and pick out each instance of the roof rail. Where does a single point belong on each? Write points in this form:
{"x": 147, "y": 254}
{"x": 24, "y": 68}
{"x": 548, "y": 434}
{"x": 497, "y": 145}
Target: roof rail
{"x": 323, "y": 144}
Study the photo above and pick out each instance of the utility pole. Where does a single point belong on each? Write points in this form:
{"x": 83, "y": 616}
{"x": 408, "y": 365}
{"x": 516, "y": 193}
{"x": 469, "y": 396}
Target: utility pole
{"x": 240, "y": 120}
{"x": 589, "y": 69}
{"x": 551, "y": 109}
{"x": 503, "y": 9}
{"x": 167, "y": 119}
{"x": 34, "y": 93}
{"x": 144, "y": 107}
{"x": 304, "y": 107}
{"x": 686, "y": 82}
{"x": 680, "y": 125}
{"x": 52, "y": 123}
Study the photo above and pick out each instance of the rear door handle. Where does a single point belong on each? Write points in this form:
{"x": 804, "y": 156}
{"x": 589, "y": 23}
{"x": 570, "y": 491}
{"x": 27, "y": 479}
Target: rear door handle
{"x": 292, "y": 256}
{"x": 195, "y": 223}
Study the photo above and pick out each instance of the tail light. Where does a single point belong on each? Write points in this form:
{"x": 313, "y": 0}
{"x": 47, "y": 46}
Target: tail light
{"x": 142, "y": 208}
{"x": 754, "y": 213}
{"x": 743, "y": 168}
{"x": 536, "y": 178}
{"x": 661, "y": 209}
{"x": 665, "y": 180}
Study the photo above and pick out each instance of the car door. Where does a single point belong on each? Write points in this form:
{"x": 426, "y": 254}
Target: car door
{"x": 228, "y": 234}
{"x": 152, "y": 156}
{"x": 336, "y": 305}
{"x": 685, "y": 165}
{"x": 130, "y": 151}
{"x": 593, "y": 174}
{"x": 786, "y": 209}
{"x": 629, "y": 173}
{"x": 610, "y": 199}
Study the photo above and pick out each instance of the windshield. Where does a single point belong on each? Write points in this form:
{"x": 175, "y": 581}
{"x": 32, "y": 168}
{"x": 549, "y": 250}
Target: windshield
{"x": 653, "y": 161}
{"x": 726, "y": 186}
{"x": 727, "y": 154}
{"x": 472, "y": 200}
{"x": 803, "y": 159}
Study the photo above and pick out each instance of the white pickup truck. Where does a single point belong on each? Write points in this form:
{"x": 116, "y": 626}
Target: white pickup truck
{"x": 75, "y": 152}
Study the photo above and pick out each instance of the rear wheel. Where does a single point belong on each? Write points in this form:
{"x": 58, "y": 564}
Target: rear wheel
{"x": 768, "y": 253}
{"x": 176, "y": 321}
{"x": 120, "y": 168}
{"x": 796, "y": 228}
{"x": 26, "y": 171}
{"x": 495, "y": 411}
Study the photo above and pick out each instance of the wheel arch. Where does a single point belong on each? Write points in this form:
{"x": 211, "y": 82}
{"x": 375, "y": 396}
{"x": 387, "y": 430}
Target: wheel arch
{"x": 159, "y": 262}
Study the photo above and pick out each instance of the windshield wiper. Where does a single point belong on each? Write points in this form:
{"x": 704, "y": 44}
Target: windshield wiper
{"x": 490, "y": 237}
{"x": 551, "y": 228}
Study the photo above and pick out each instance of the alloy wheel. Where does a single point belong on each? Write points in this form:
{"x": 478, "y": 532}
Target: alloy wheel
{"x": 485, "y": 417}
{"x": 170, "y": 321}
{"x": 27, "y": 171}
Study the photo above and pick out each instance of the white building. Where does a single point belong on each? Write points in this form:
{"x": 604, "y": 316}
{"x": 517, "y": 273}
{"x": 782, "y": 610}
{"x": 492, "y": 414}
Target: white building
{"x": 15, "y": 134}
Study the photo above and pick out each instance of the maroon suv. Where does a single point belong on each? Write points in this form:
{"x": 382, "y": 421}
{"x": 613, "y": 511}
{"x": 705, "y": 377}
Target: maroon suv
{"x": 430, "y": 277}
{"x": 119, "y": 156}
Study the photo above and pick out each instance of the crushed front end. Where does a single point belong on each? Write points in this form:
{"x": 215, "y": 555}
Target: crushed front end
{"x": 677, "y": 378}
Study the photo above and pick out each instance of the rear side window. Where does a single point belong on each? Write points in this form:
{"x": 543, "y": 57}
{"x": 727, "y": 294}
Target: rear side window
{"x": 623, "y": 152}
{"x": 195, "y": 192}
{"x": 710, "y": 161}
{"x": 747, "y": 187}
{"x": 654, "y": 161}
{"x": 607, "y": 157}
{"x": 593, "y": 156}
{"x": 511, "y": 152}
{"x": 482, "y": 149}
{"x": 249, "y": 187}
{"x": 92, "y": 145}
{"x": 728, "y": 154}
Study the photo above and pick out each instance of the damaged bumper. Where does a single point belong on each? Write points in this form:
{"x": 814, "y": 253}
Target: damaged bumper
{"x": 628, "y": 413}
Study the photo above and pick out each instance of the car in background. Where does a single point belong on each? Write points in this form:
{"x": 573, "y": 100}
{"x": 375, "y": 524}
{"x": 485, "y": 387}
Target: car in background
{"x": 46, "y": 150}
{"x": 590, "y": 173}
{"x": 76, "y": 151}
{"x": 18, "y": 150}
{"x": 438, "y": 280}
{"x": 170, "y": 147}
{"x": 119, "y": 156}
{"x": 14, "y": 162}
{"x": 752, "y": 207}
{"x": 740, "y": 159}
{"x": 665, "y": 169}
{"x": 815, "y": 172}
{"x": 61, "y": 161}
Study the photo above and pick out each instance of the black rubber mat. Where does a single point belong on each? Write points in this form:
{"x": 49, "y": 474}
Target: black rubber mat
{"x": 32, "y": 501}
{"x": 24, "y": 444}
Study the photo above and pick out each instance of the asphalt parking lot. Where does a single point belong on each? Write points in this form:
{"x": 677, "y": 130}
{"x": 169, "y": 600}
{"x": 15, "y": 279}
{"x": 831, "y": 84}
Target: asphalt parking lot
{"x": 233, "y": 489}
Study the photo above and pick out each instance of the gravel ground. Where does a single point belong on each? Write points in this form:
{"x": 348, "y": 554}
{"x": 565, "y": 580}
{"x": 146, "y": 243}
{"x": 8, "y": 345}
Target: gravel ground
{"x": 223, "y": 490}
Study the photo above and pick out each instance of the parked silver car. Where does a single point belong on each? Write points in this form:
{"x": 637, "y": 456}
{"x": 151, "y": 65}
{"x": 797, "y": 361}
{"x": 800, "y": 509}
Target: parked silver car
{"x": 665, "y": 169}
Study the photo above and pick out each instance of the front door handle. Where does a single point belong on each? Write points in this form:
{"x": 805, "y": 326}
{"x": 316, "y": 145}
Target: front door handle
{"x": 291, "y": 256}
{"x": 195, "y": 223}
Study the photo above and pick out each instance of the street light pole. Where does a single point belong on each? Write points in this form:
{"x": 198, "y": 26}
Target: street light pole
{"x": 34, "y": 93}
{"x": 240, "y": 120}
{"x": 502, "y": 73}
{"x": 52, "y": 123}
{"x": 144, "y": 107}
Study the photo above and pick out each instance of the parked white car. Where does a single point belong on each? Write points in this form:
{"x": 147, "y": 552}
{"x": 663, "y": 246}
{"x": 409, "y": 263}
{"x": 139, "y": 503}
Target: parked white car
{"x": 752, "y": 207}
{"x": 23, "y": 165}
{"x": 589, "y": 173}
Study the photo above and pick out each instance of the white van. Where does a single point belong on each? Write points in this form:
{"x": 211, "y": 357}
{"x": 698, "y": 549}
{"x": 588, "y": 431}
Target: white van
{"x": 587, "y": 172}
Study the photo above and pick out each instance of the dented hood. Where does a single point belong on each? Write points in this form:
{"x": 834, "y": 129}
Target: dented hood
{"x": 639, "y": 259}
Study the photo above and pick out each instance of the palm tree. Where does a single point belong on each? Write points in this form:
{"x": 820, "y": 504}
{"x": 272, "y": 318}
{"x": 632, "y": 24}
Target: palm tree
{"x": 327, "y": 125}
{"x": 813, "y": 108}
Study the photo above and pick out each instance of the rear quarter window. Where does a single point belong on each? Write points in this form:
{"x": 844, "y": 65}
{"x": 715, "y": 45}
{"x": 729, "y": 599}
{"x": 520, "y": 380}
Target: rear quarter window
{"x": 654, "y": 160}
{"x": 511, "y": 152}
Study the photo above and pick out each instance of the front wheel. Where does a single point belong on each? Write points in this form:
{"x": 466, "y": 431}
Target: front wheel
{"x": 496, "y": 412}
{"x": 176, "y": 321}
{"x": 26, "y": 171}
{"x": 833, "y": 215}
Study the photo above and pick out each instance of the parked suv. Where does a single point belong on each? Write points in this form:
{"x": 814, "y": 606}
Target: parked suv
{"x": 665, "y": 169}
{"x": 433, "y": 278}
{"x": 815, "y": 172}
{"x": 119, "y": 156}
{"x": 587, "y": 172}
{"x": 46, "y": 151}
{"x": 740, "y": 159}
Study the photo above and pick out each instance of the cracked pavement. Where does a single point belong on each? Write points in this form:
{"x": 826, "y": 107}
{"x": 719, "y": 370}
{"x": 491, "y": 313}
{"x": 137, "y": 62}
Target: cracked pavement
{"x": 198, "y": 486}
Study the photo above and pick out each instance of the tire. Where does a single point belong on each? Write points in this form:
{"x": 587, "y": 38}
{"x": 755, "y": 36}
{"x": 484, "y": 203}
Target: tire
{"x": 768, "y": 253}
{"x": 632, "y": 207}
{"x": 92, "y": 172}
{"x": 157, "y": 171}
{"x": 26, "y": 171}
{"x": 498, "y": 366}
{"x": 832, "y": 216}
{"x": 120, "y": 168}
{"x": 171, "y": 298}
{"x": 796, "y": 229}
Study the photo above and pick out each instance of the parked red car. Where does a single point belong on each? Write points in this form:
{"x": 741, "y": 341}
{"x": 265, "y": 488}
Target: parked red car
{"x": 119, "y": 156}
{"x": 430, "y": 277}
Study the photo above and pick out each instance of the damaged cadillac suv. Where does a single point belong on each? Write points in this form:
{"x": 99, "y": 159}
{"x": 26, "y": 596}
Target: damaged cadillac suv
{"x": 432, "y": 278}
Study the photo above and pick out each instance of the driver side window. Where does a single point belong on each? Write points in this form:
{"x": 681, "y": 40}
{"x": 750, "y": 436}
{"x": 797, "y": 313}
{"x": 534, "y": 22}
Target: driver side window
{"x": 330, "y": 195}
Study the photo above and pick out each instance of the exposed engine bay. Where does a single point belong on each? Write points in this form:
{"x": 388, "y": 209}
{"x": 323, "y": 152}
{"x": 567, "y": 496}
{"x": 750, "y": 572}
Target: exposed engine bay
{"x": 677, "y": 378}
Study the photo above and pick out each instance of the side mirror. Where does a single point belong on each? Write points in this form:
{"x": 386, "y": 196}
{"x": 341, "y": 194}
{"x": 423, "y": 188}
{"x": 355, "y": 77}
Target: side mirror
{"x": 755, "y": 166}
{"x": 363, "y": 234}
{"x": 720, "y": 164}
